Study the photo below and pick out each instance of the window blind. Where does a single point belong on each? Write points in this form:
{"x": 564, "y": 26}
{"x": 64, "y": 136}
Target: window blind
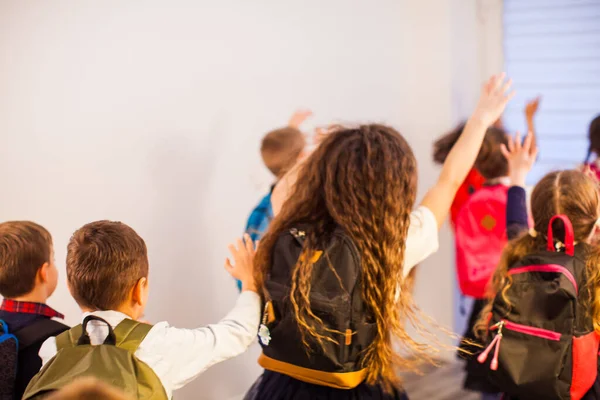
{"x": 552, "y": 49}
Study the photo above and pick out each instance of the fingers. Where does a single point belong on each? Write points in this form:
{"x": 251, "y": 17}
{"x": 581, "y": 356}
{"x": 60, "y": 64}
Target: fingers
{"x": 534, "y": 153}
{"x": 497, "y": 82}
{"x": 505, "y": 151}
{"x": 511, "y": 144}
{"x": 232, "y": 249}
{"x": 518, "y": 142}
{"x": 240, "y": 245}
{"x": 504, "y": 89}
{"x": 228, "y": 267}
{"x": 249, "y": 244}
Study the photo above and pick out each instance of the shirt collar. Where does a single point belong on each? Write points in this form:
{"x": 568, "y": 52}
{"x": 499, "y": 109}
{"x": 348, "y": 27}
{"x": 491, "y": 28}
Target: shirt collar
{"x": 114, "y": 318}
{"x": 29, "y": 307}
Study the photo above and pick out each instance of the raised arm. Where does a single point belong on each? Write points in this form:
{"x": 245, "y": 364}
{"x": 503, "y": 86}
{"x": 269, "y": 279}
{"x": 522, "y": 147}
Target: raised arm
{"x": 521, "y": 158}
{"x": 494, "y": 97}
{"x": 192, "y": 351}
{"x": 531, "y": 109}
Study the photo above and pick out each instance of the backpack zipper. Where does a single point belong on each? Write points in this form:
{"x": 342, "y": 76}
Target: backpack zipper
{"x": 524, "y": 329}
{"x": 547, "y": 268}
{"x": 495, "y": 344}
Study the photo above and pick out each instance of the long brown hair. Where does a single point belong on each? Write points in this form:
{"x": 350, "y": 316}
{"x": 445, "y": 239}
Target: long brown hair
{"x": 575, "y": 195}
{"x": 364, "y": 181}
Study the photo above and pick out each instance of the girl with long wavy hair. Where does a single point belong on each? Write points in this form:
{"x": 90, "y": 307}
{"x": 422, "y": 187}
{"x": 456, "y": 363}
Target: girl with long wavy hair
{"x": 363, "y": 182}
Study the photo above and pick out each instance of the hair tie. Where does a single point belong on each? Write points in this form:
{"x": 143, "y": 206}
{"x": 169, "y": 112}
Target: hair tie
{"x": 533, "y": 232}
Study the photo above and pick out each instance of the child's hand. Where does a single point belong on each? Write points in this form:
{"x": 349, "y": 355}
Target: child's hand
{"x": 520, "y": 158}
{"x": 532, "y": 107}
{"x": 492, "y": 102}
{"x": 243, "y": 267}
{"x": 299, "y": 117}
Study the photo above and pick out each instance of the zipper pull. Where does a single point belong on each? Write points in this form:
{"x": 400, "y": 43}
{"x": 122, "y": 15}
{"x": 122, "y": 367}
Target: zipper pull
{"x": 494, "y": 363}
{"x": 495, "y": 344}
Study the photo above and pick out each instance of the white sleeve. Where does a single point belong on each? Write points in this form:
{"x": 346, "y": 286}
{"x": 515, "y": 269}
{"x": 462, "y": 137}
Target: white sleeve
{"x": 48, "y": 350}
{"x": 422, "y": 239}
{"x": 178, "y": 356}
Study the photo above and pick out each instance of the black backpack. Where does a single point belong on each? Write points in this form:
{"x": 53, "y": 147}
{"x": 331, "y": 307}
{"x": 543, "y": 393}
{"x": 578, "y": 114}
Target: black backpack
{"x": 336, "y": 298}
{"x": 542, "y": 345}
{"x": 14, "y": 349}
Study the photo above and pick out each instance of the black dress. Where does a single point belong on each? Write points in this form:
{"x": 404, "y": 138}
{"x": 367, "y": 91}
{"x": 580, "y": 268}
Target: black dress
{"x": 275, "y": 386}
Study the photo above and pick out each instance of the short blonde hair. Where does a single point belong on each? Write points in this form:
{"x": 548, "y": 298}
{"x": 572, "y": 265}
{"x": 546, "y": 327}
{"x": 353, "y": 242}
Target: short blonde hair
{"x": 281, "y": 148}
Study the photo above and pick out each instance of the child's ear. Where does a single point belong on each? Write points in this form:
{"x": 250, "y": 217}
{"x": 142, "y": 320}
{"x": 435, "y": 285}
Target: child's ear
{"x": 139, "y": 292}
{"x": 43, "y": 273}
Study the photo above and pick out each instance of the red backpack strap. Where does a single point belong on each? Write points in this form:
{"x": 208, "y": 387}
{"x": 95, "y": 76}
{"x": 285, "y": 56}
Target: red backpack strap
{"x": 569, "y": 235}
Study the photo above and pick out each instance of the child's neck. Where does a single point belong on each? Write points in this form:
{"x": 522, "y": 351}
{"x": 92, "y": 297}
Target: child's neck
{"x": 122, "y": 309}
{"x": 35, "y": 296}
{"x": 503, "y": 180}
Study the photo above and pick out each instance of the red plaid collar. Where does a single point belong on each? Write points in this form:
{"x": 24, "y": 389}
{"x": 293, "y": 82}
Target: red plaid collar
{"x": 28, "y": 307}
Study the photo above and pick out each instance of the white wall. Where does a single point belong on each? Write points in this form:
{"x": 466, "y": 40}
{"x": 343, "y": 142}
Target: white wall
{"x": 150, "y": 112}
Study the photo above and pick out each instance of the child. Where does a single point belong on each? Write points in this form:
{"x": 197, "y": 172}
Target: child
{"x": 480, "y": 238}
{"x": 495, "y": 240}
{"x": 474, "y": 179}
{"x": 332, "y": 266}
{"x": 28, "y": 278}
{"x": 574, "y": 195}
{"x": 107, "y": 272}
{"x": 280, "y": 150}
{"x": 594, "y": 149}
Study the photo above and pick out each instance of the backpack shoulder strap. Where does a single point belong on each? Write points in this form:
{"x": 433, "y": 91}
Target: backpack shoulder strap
{"x": 38, "y": 331}
{"x": 68, "y": 338}
{"x": 130, "y": 334}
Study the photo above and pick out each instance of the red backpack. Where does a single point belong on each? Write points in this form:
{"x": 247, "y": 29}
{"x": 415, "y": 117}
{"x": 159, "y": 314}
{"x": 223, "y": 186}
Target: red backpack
{"x": 480, "y": 238}
{"x": 472, "y": 183}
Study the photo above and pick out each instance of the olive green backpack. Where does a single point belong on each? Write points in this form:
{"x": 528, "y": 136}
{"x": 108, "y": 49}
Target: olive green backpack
{"x": 113, "y": 362}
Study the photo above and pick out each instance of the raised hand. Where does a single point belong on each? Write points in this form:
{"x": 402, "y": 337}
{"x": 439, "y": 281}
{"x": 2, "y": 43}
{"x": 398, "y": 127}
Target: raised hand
{"x": 531, "y": 108}
{"x": 242, "y": 268}
{"x": 521, "y": 157}
{"x": 299, "y": 117}
{"x": 492, "y": 102}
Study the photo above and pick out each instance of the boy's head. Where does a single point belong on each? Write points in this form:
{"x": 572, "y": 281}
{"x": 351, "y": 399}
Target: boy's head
{"x": 490, "y": 162}
{"x": 281, "y": 148}
{"x": 107, "y": 268}
{"x": 442, "y": 146}
{"x": 27, "y": 267}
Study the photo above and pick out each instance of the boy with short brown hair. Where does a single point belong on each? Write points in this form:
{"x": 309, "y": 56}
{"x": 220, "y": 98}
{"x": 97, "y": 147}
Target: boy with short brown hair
{"x": 28, "y": 277}
{"x": 107, "y": 271}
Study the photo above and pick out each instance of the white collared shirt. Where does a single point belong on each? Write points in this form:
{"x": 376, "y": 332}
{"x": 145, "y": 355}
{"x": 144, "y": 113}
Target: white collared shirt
{"x": 177, "y": 356}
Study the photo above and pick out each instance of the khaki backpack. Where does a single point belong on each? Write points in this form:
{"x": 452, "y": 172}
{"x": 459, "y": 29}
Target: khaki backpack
{"x": 113, "y": 362}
